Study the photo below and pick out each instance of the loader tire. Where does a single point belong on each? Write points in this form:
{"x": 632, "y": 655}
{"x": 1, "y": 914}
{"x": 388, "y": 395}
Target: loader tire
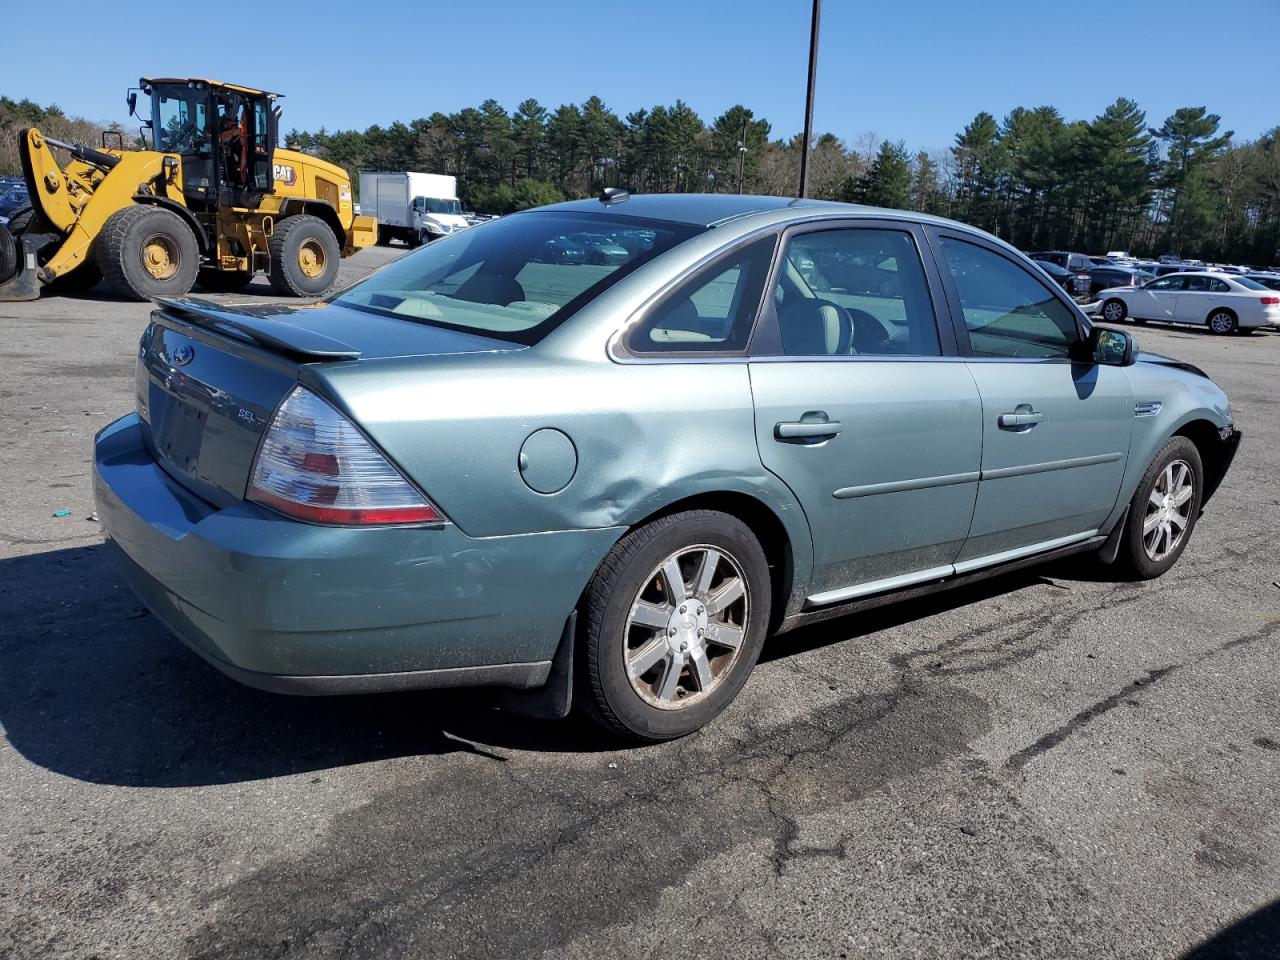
{"x": 224, "y": 281}
{"x": 8, "y": 255}
{"x": 146, "y": 252}
{"x": 304, "y": 257}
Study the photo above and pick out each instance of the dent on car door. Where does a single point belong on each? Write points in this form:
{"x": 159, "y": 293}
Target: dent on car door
{"x": 1055, "y": 432}
{"x": 860, "y": 414}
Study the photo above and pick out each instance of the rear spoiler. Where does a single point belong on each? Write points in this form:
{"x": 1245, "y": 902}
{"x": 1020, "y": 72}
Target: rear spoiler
{"x": 286, "y": 338}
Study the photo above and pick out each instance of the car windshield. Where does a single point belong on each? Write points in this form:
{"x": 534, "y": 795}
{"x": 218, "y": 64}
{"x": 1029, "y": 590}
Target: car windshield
{"x": 435, "y": 205}
{"x": 1251, "y": 284}
{"x": 513, "y": 278}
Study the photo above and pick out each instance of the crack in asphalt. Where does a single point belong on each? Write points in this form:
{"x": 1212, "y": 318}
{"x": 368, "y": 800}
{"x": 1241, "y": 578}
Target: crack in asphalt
{"x": 1153, "y": 677}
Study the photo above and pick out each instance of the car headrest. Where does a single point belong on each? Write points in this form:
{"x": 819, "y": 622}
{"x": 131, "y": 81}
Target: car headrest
{"x": 815, "y": 328}
{"x": 495, "y": 288}
{"x": 679, "y": 322}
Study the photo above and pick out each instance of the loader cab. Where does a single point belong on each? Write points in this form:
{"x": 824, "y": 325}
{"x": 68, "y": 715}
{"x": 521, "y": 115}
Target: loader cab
{"x": 225, "y": 134}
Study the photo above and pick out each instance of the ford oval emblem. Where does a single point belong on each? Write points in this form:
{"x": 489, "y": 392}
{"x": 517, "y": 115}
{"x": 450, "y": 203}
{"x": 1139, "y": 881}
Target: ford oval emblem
{"x": 184, "y": 355}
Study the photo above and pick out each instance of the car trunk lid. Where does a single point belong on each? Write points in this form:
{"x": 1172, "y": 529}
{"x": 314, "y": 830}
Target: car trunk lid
{"x": 209, "y": 377}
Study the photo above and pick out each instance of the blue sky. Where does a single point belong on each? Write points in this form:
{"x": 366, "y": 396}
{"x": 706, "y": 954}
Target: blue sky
{"x": 916, "y": 71}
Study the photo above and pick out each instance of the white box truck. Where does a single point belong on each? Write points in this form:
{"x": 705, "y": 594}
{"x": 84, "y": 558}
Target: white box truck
{"x": 414, "y": 207}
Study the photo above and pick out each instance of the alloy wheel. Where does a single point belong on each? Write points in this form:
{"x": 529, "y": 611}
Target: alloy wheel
{"x": 1113, "y": 312}
{"x": 1168, "y": 510}
{"x": 686, "y": 627}
{"x": 1221, "y": 322}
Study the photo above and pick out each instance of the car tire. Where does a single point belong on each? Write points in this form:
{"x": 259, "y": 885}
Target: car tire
{"x": 1151, "y": 546}
{"x": 637, "y": 678}
{"x": 20, "y": 219}
{"x": 1114, "y": 311}
{"x": 304, "y": 257}
{"x": 146, "y": 251}
{"x": 1222, "y": 322}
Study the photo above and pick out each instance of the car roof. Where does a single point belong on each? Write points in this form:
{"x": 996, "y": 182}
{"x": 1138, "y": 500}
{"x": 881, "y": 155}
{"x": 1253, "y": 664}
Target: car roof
{"x": 712, "y": 209}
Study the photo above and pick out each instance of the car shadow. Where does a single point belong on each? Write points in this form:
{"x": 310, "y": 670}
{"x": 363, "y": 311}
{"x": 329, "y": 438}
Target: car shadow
{"x": 1255, "y": 936}
{"x": 95, "y": 688}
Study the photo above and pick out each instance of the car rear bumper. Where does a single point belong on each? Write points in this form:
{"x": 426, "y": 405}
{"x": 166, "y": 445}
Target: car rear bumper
{"x": 297, "y": 608}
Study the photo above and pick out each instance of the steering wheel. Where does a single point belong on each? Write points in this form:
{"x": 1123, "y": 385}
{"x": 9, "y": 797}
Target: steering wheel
{"x": 185, "y": 132}
{"x": 869, "y": 334}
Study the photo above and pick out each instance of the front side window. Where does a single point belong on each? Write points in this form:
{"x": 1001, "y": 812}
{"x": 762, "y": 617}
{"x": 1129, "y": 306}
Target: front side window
{"x": 1007, "y": 311}
{"x": 516, "y": 278}
{"x": 1171, "y": 282}
{"x": 180, "y": 122}
{"x": 856, "y": 291}
{"x": 713, "y": 311}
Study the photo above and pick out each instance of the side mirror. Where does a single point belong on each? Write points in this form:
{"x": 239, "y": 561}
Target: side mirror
{"x": 1114, "y": 348}
{"x": 132, "y": 101}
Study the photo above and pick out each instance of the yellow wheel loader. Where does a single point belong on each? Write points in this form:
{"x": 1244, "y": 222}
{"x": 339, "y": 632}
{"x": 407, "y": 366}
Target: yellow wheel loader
{"x": 215, "y": 203}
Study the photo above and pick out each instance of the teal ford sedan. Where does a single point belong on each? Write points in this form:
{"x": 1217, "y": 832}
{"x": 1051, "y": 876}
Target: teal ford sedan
{"x": 605, "y": 484}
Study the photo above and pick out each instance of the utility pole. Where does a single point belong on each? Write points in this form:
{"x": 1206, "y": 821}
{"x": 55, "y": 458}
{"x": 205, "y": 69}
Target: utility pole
{"x": 742, "y": 154}
{"x": 808, "y": 102}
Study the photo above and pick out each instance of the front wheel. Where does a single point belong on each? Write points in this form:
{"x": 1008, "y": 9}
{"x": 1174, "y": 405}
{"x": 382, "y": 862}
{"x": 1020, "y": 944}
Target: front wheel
{"x": 1114, "y": 311}
{"x": 1163, "y": 510}
{"x": 674, "y": 621}
{"x": 146, "y": 252}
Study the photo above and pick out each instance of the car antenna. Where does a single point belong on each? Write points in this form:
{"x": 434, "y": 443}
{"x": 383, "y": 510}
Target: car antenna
{"x": 614, "y": 195}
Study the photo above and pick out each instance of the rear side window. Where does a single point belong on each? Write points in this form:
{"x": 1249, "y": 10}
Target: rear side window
{"x": 1007, "y": 311}
{"x": 711, "y": 312}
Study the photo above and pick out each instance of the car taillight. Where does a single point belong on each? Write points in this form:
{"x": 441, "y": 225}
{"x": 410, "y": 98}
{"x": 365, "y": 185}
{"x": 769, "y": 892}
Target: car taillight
{"x": 1270, "y": 301}
{"x": 315, "y": 465}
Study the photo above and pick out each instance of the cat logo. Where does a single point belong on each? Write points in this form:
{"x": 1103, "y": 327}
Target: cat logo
{"x": 285, "y": 174}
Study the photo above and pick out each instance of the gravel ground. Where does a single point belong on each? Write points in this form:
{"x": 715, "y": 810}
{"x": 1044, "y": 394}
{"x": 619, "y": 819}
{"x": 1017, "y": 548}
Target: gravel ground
{"x": 1046, "y": 765}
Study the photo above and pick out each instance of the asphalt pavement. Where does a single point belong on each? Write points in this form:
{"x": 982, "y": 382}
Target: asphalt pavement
{"x": 1049, "y": 764}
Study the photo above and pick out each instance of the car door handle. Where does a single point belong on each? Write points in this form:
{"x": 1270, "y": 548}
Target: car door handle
{"x": 1022, "y": 418}
{"x": 806, "y": 429}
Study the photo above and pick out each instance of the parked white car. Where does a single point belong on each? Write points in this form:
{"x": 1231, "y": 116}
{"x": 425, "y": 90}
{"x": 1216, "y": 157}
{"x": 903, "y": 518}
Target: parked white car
{"x": 1225, "y": 304}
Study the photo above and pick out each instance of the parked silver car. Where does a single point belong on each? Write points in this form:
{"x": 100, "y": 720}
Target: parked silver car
{"x": 607, "y": 483}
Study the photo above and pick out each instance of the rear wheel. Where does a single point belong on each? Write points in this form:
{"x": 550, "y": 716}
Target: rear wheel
{"x": 146, "y": 252}
{"x": 224, "y": 281}
{"x": 1222, "y": 322}
{"x": 674, "y": 621}
{"x": 1114, "y": 311}
{"x": 304, "y": 257}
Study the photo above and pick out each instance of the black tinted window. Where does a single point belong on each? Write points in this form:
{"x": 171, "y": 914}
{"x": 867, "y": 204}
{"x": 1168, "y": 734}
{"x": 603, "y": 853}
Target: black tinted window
{"x": 1008, "y": 312}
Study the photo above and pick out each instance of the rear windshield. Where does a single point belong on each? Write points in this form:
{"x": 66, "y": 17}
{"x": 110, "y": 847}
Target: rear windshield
{"x": 1251, "y": 284}
{"x": 516, "y": 278}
